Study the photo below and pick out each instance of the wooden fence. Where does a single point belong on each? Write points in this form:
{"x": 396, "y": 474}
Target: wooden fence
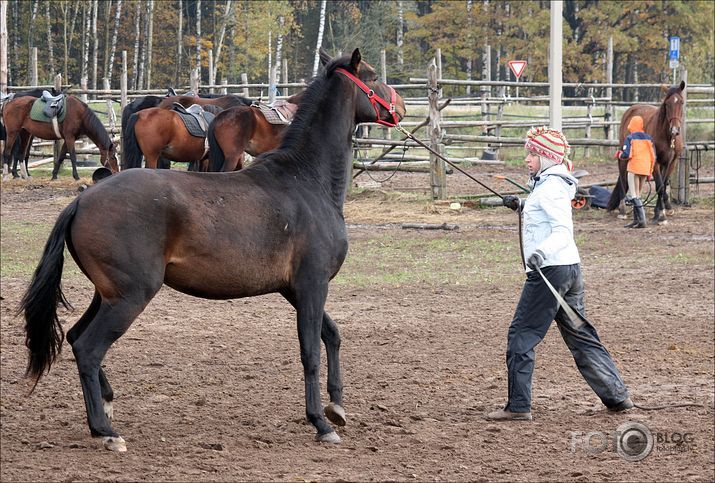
{"x": 484, "y": 129}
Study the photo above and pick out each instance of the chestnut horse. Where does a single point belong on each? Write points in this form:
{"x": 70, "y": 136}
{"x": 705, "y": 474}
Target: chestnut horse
{"x": 274, "y": 227}
{"x": 663, "y": 124}
{"x": 243, "y": 129}
{"x": 157, "y": 132}
{"x": 79, "y": 120}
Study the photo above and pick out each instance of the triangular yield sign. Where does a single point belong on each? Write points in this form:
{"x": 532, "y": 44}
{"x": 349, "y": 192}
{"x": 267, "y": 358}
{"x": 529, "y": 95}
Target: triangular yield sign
{"x": 517, "y": 67}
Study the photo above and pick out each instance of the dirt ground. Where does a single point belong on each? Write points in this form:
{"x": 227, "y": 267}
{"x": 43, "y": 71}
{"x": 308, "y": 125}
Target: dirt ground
{"x": 213, "y": 391}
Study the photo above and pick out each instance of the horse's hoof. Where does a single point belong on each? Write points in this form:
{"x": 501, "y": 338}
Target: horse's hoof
{"x": 115, "y": 443}
{"x": 108, "y": 409}
{"x": 670, "y": 212}
{"x": 335, "y": 413}
{"x": 331, "y": 437}
{"x": 54, "y": 178}
{"x": 622, "y": 217}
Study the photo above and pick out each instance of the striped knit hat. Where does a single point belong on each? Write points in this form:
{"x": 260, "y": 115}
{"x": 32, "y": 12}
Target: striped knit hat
{"x": 549, "y": 143}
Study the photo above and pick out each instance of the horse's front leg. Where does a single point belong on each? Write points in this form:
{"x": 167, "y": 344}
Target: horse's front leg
{"x": 310, "y": 303}
{"x": 8, "y": 154}
{"x": 60, "y": 159}
{"x": 331, "y": 338}
{"x": 659, "y": 215}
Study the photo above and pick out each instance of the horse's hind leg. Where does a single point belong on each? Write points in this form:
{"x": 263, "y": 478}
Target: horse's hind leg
{"x": 113, "y": 318}
{"x": 74, "y": 333}
{"x": 659, "y": 215}
{"x": 60, "y": 159}
{"x": 331, "y": 338}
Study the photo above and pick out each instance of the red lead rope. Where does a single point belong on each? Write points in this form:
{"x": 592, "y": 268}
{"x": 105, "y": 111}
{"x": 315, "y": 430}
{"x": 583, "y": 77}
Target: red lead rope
{"x": 375, "y": 99}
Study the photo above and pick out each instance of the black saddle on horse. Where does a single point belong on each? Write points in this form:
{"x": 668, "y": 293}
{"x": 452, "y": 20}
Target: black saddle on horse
{"x": 195, "y": 118}
{"x": 54, "y": 105}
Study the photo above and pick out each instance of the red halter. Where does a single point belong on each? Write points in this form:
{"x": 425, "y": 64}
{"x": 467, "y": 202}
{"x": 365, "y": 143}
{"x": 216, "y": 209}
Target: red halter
{"x": 375, "y": 99}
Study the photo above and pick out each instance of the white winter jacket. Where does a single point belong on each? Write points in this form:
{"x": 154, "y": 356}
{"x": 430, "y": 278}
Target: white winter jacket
{"x": 547, "y": 218}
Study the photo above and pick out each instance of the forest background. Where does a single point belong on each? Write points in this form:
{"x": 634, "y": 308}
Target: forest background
{"x": 164, "y": 40}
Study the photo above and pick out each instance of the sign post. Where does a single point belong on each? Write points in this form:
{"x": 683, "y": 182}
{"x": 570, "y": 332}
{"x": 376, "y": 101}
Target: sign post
{"x": 517, "y": 67}
{"x": 674, "y": 54}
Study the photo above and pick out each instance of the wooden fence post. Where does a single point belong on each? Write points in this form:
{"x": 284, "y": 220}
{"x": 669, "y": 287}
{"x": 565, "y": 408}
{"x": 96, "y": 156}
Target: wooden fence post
{"x": 244, "y": 81}
{"x": 123, "y": 81}
{"x": 272, "y": 84}
{"x": 284, "y": 75}
{"x": 224, "y": 90}
{"x": 438, "y": 175}
{"x": 500, "y": 115}
{"x": 682, "y": 191}
{"x": 609, "y": 90}
{"x": 211, "y": 71}
{"x": 589, "y": 110}
{"x": 33, "y": 68}
{"x": 194, "y": 81}
{"x": 83, "y": 86}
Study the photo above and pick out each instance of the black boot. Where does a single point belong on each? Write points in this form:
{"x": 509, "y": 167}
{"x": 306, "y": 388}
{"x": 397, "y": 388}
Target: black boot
{"x": 635, "y": 219}
{"x": 639, "y": 213}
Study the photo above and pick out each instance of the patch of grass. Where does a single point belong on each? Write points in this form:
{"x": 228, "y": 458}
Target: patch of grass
{"x": 22, "y": 246}
{"x": 387, "y": 261}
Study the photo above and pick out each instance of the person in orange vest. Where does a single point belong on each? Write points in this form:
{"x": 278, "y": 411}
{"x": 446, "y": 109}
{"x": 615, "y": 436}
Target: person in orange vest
{"x": 639, "y": 150}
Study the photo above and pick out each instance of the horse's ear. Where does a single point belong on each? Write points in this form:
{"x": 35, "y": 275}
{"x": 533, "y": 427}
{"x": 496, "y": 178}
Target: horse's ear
{"x": 324, "y": 56}
{"x": 355, "y": 60}
{"x": 682, "y": 86}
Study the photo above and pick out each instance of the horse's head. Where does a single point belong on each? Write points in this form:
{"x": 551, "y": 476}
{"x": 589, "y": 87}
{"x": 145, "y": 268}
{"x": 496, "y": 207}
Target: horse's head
{"x": 110, "y": 158}
{"x": 376, "y": 101}
{"x": 673, "y": 108}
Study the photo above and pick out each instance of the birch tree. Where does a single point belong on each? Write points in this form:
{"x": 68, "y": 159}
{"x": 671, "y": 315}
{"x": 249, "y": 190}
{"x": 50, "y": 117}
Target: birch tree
{"x": 400, "y": 33}
{"x": 179, "y": 43}
{"x": 222, "y": 34}
{"x": 30, "y": 36}
{"x": 198, "y": 37}
{"x": 50, "y": 48}
{"x": 319, "y": 42}
{"x": 137, "y": 36}
{"x": 279, "y": 49}
{"x": 107, "y": 16}
{"x": 142, "y": 62}
{"x": 149, "y": 40}
{"x": 95, "y": 42}
{"x": 117, "y": 16}
{"x": 85, "y": 42}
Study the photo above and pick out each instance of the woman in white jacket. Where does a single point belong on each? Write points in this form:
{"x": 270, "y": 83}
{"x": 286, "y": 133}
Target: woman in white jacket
{"x": 549, "y": 245}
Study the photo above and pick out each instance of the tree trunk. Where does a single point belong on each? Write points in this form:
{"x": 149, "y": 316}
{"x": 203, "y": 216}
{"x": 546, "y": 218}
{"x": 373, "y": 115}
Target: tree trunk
{"x": 222, "y": 34}
{"x": 51, "y": 65}
{"x": 198, "y": 37}
{"x": 30, "y": 38}
{"x": 107, "y": 41}
{"x": 400, "y": 33}
{"x": 65, "y": 11}
{"x": 279, "y": 50}
{"x": 142, "y": 63}
{"x": 69, "y": 44}
{"x": 137, "y": 37}
{"x": 3, "y": 47}
{"x": 319, "y": 42}
{"x": 86, "y": 15}
{"x": 470, "y": 47}
{"x": 149, "y": 42}
{"x": 117, "y": 16}
{"x": 95, "y": 43}
{"x": 179, "y": 43}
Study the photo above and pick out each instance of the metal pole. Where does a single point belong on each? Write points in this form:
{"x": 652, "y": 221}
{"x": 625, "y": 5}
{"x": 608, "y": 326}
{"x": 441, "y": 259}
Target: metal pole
{"x": 555, "y": 68}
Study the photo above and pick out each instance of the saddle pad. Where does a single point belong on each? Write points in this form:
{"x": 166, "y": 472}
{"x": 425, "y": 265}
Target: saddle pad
{"x": 36, "y": 113}
{"x": 271, "y": 115}
{"x": 192, "y": 125}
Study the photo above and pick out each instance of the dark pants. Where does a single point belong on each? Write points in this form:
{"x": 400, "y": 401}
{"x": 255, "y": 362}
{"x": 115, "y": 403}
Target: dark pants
{"x": 536, "y": 310}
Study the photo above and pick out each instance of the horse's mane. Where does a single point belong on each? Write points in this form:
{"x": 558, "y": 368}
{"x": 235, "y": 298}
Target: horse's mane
{"x": 309, "y": 103}
{"x": 94, "y": 126}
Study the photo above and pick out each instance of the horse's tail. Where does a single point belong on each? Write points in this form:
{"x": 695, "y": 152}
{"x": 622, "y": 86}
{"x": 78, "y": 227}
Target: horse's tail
{"x": 619, "y": 190}
{"x": 216, "y": 155}
{"x": 43, "y": 332}
{"x": 132, "y": 152}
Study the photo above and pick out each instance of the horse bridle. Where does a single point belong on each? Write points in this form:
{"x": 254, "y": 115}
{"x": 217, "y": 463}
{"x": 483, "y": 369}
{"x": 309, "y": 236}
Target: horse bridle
{"x": 375, "y": 99}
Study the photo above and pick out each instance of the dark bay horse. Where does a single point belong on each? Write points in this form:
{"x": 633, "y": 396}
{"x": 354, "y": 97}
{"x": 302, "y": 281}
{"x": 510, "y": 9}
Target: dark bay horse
{"x": 240, "y": 130}
{"x": 276, "y": 226}
{"x": 663, "y": 124}
{"x": 79, "y": 121}
{"x": 157, "y": 132}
